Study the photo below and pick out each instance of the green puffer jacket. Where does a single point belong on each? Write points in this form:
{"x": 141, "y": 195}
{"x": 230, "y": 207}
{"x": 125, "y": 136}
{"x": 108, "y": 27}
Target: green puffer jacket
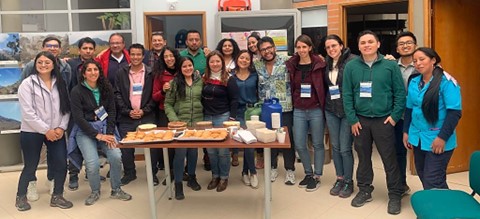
{"x": 388, "y": 92}
{"x": 187, "y": 110}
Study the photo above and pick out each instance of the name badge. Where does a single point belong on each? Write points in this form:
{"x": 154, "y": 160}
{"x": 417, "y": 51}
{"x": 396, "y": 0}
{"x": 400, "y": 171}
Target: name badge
{"x": 305, "y": 90}
{"x": 137, "y": 89}
{"x": 101, "y": 113}
{"x": 334, "y": 92}
{"x": 366, "y": 89}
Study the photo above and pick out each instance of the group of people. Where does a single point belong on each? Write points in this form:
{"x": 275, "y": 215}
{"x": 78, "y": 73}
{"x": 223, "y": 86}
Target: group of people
{"x": 410, "y": 103}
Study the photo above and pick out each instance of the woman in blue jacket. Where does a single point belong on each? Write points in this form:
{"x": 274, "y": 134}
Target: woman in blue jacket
{"x": 434, "y": 107}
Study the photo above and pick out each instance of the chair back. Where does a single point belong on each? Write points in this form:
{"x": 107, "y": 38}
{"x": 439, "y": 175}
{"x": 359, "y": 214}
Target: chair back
{"x": 474, "y": 175}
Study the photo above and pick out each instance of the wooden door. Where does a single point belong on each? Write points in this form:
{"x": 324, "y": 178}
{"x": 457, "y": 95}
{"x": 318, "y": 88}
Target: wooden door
{"x": 455, "y": 36}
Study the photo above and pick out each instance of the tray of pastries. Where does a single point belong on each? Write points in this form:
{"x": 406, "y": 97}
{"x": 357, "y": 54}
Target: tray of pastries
{"x": 203, "y": 135}
{"x": 154, "y": 136}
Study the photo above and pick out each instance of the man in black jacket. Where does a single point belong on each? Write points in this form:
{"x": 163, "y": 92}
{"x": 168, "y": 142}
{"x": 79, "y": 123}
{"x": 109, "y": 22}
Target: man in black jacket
{"x": 135, "y": 106}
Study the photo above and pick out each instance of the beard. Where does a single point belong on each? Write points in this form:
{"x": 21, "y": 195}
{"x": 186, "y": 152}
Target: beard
{"x": 274, "y": 55}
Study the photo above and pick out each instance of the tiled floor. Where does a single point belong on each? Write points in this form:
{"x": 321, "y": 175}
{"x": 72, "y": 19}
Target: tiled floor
{"x": 238, "y": 201}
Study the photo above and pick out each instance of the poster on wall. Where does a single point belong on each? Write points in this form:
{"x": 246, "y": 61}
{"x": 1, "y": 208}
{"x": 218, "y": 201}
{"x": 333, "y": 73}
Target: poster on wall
{"x": 234, "y": 5}
{"x": 9, "y": 80}
{"x": 31, "y": 45}
{"x": 10, "y": 115}
{"x": 100, "y": 38}
{"x": 279, "y": 38}
{"x": 9, "y": 48}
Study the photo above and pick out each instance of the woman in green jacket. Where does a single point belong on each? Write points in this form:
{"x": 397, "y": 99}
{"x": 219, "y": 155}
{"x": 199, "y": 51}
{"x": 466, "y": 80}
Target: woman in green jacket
{"x": 183, "y": 103}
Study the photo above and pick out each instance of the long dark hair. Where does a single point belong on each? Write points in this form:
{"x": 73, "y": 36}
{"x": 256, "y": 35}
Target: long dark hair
{"x": 160, "y": 66}
{"x": 430, "y": 99}
{"x": 61, "y": 84}
{"x": 342, "y": 58}
{"x": 255, "y": 35}
{"x": 103, "y": 84}
{"x": 180, "y": 78}
{"x": 235, "y": 51}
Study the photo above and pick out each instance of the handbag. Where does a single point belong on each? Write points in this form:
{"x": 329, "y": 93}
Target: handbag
{"x": 254, "y": 110}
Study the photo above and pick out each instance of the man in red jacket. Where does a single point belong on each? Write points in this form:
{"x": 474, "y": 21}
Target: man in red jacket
{"x": 114, "y": 58}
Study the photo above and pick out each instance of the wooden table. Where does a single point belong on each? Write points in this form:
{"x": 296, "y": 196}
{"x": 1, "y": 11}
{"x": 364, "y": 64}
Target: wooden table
{"x": 230, "y": 143}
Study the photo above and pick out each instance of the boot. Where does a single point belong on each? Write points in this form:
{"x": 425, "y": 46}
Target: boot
{"x": 179, "y": 191}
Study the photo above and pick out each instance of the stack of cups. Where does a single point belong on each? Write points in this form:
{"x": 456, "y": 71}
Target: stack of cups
{"x": 275, "y": 120}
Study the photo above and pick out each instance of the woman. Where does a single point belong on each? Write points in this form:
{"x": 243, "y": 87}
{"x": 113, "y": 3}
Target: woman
{"x": 434, "y": 107}
{"x": 220, "y": 103}
{"x": 247, "y": 80}
{"x": 164, "y": 71}
{"x": 183, "y": 103}
{"x": 93, "y": 110}
{"x": 45, "y": 109}
{"x": 308, "y": 95}
{"x": 338, "y": 126}
{"x": 229, "y": 50}
{"x": 252, "y": 41}
{"x": 255, "y": 53}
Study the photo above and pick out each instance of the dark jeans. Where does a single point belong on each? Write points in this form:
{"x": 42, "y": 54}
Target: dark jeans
{"x": 128, "y": 154}
{"x": 179, "y": 161}
{"x": 374, "y": 130}
{"x": 288, "y": 153}
{"x": 401, "y": 152}
{"x": 432, "y": 168}
{"x": 31, "y": 145}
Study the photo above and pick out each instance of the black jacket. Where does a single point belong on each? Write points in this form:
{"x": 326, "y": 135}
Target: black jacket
{"x": 218, "y": 99}
{"x": 336, "y": 106}
{"x": 75, "y": 64}
{"x": 122, "y": 96}
{"x": 84, "y": 106}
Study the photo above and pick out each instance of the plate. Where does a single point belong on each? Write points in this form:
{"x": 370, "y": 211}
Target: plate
{"x": 142, "y": 141}
{"x": 182, "y": 137}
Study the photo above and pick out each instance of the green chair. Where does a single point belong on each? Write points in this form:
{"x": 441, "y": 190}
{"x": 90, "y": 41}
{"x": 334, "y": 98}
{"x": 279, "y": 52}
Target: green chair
{"x": 448, "y": 204}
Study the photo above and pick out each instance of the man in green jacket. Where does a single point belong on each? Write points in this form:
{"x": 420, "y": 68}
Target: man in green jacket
{"x": 374, "y": 100}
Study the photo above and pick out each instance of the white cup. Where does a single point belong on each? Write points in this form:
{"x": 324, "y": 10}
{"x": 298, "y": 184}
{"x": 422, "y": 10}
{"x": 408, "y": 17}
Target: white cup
{"x": 281, "y": 137}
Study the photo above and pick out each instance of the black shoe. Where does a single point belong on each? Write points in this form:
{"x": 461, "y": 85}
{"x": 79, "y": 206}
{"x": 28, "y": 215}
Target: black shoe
{"x": 155, "y": 181}
{"x": 305, "y": 181}
{"x": 361, "y": 198}
{"x": 192, "y": 183}
{"x": 347, "y": 190}
{"x": 185, "y": 176}
{"x": 313, "y": 184}
{"x": 206, "y": 163}
{"x": 337, "y": 187}
{"x": 103, "y": 179}
{"x": 179, "y": 191}
{"x": 21, "y": 203}
{"x": 60, "y": 201}
{"x": 394, "y": 206}
{"x": 108, "y": 174}
{"x": 73, "y": 182}
{"x": 406, "y": 190}
{"x": 126, "y": 179}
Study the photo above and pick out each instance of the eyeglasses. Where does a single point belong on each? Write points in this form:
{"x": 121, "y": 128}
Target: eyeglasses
{"x": 269, "y": 48}
{"x": 407, "y": 43}
{"x": 54, "y": 46}
{"x": 115, "y": 43}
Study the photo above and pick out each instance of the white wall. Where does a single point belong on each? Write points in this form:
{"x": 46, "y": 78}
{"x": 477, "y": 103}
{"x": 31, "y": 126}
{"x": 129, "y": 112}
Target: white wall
{"x": 209, "y": 6}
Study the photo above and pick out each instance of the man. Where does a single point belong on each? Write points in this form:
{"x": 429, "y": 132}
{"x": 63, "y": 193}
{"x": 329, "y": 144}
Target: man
{"x": 195, "y": 51}
{"x": 114, "y": 57}
{"x": 374, "y": 100}
{"x": 406, "y": 44}
{"x": 274, "y": 81}
{"x": 135, "y": 106}
{"x": 152, "y": 56}
{"x": 198, "y": 55}
{"x": 54, "y": 46}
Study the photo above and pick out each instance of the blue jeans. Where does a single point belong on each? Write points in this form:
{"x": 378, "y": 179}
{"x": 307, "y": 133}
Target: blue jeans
{"x": 302, "y": 121}
{"x": 31, "y": 144}
{"x": 88, "y": 146}
{"x": 219, "y": 157}
{"x": 179, "y": 160}
{"x": 249, "y": 161}
{"x": 341, "y": 139}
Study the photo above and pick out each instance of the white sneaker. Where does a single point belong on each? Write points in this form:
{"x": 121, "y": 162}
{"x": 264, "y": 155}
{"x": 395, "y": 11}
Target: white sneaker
{"x": 290, "y": 178}
{"x": 32, "y": 194}
{"x": 246, "y": 179}
{"x": 51, "y": 186}
{"x": 254, "y": 181}
{"x": 273, "y": 174}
